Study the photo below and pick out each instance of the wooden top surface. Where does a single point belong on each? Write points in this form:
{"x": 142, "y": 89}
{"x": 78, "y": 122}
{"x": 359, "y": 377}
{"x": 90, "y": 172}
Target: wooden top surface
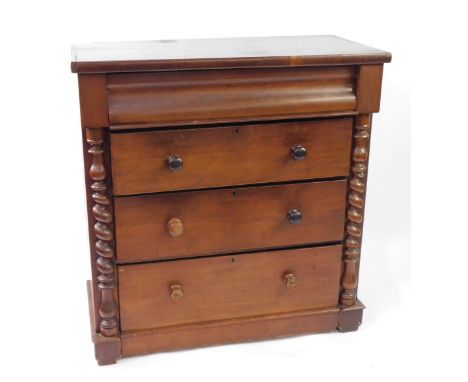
{"x": 221, "y": 53}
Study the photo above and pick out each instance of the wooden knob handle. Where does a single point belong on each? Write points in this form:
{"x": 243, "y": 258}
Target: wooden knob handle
{"x": 174, "y": 227}
{"x": 176, "y": 292}
{"x": 294, "y": 216}
{"x": 290, "y": 280}
{"x": 174, "y": 162}
{"x": 298, "y": 152}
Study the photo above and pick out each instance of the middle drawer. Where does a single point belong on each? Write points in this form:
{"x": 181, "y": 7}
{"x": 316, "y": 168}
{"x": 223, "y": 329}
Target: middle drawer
{"x": 186, "y": 224}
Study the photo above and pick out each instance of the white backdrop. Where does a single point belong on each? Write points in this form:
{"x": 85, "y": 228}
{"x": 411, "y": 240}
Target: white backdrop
{"x": 44, "y": 244}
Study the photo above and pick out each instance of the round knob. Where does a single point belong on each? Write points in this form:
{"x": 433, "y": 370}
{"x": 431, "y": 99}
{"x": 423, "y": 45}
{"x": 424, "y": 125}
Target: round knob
{"x": 174, "y": 162}
{"x": 294, "y": 216}
{"x": 290, "y": 280}
{"x": 298, "y": 152}
{"x": 176, "y": 292}
{"x": 175, "y": 227}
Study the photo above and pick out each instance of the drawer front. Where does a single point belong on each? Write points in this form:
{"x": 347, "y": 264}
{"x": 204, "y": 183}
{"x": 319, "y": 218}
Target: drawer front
{"x": 196, "y": 223}
{"x": 234, "y": 155}
{"x": 196, "y": 290}
{"x": 207, "y": 96}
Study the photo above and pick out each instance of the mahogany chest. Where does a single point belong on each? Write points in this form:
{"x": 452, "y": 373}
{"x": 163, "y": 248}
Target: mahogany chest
{"x": 226, "y": 183}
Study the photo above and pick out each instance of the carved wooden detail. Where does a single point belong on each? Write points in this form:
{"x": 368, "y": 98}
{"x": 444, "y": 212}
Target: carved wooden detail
{"x": 213, "y": 96}
{"x": 103, "y": 230}
{"x": 355, "y": 209}
{"x": 173, "y": 132}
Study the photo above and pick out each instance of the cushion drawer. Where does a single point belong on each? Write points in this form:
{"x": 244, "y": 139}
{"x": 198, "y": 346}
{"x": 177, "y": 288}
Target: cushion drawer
{"x": 196, "y": 290}
{"x": 207, "y": 96}
{"x": 232, "y": 155}
{"x": 227, "y": 220}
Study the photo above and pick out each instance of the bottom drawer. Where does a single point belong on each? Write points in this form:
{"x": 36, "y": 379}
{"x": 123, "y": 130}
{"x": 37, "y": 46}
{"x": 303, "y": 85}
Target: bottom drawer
{"x": 215, "y": 288}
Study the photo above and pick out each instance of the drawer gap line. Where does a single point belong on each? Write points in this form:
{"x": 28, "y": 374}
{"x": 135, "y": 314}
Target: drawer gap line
{"x": 243, "y": 252}
{"x": 143, "y": 128}
{"x": 232, "y": 187}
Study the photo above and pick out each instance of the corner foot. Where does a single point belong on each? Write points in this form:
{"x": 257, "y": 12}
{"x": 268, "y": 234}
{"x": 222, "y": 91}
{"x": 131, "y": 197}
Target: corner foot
{"x": 106, "y": 350}
{"x": 106, "y": 362}
{"x": 350, "y": 317}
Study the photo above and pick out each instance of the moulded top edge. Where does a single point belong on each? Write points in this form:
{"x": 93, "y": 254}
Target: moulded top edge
{"x": 221, "y": 53}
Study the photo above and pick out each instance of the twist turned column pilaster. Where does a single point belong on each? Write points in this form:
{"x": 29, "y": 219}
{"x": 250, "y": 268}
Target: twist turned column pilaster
{"x": 103, "y": 231}
{"x": 355, "y": 209}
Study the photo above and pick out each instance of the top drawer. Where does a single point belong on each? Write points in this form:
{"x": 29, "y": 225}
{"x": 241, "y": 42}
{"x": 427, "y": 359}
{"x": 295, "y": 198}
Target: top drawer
{"x": 232, "y": 155}
{"x": 208, "y": 96}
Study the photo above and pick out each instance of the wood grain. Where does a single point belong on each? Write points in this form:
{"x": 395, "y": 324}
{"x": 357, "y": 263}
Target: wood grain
{"x": 193, "y": 97}
{"x": 106, "y": 349}
{"x": 222, "y": 53}
{"x": 102, "y": 239}
{"x": 253, "y": 228}
{"x": 229, "y": 331}
{"x": 93, "y": 100}
{"x": 351, "y": 317}
{"x": 233, "y": 155}
{"x": 220, "y": 221}
{"x": 369, "y": 87}
{"x": 355, "y": 209}
{"x": 228, "y": 287}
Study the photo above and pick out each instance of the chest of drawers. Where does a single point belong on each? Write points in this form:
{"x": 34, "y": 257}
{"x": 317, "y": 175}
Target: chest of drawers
{"x": 225, "y": 182}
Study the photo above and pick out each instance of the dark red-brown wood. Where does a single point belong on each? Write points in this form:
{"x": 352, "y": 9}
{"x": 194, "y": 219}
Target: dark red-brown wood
{"x": 233, "y": 155}
{"x": 355, "y": 209}
{"x": 217, "y": 256}
{"x": 228, "y": 287}
{"x": 228, "y": 220}
{"x": 350, "y": 317}
{"x": 222, "y": 53}
{"x": 368, "y": 88}
{"x": 106, "y": 349}
{"x": 101, "y": 229}
{"x": 229, "y": 331}
{"x": 93, "y": 100}
{"x": 207, "y": 96}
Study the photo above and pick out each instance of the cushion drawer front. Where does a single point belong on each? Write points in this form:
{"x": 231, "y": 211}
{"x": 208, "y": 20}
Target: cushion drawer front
{"x": 234, "y": 155}
{"x": 215, "y": 288}
{"x": 186, "y": 224}
{"x": 207, "y": 96}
